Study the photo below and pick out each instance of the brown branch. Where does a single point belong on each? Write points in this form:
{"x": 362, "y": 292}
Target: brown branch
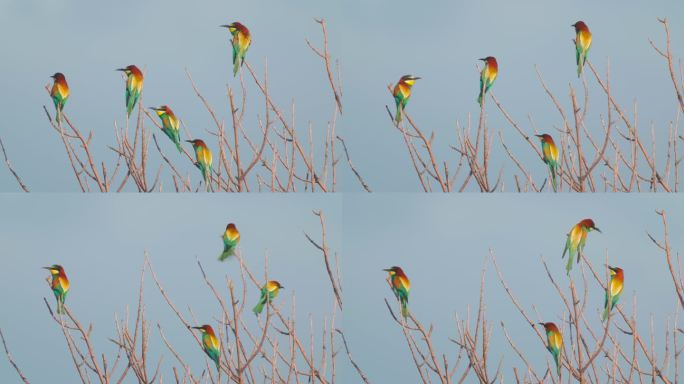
{"x": 323, "y": 247}
{"x": 351, "y": 359}
{"x": 9, "y": 166}
{"x": 665, "y": 246}
{"x": 325, "y": 55}
{"x": 11, "y": 360}
{"x": 668, "y": 57}
{"x": 356, "y": 173}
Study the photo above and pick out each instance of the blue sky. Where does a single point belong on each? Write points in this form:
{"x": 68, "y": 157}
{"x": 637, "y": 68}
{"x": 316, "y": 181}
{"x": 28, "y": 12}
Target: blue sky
{"x": 442, "y": 242}
{"x": 376, "y": 42}
{"x": 100, "y": 241}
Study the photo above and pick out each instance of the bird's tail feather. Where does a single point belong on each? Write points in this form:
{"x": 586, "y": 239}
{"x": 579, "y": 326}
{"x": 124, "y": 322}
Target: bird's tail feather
{"x": 259, "y": 307}
{"x": 397, "y": 118}
{"x": 580, "y": 64}
{"x": 404, "y": 308}
{"x": 60, "y": 307}
{"x": 554, "y": 181}
{"x": 568, "y": 266}
{"x": 227, "y": 253}
{"x": 236, "y": 65}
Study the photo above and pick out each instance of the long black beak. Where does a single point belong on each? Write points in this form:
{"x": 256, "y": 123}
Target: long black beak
{"x": 196, "y": 327}
{"x": 224, "y": 26}
{"x": 188, "y": 141}
{"x": 121, "y": 69}
{"x": 539, "y": 135}
{"x": 598, "y": 230}
{"x": 387, "y": 270}
{"x": 48, "y": 268}
{"x": 542, "y": 324}
{"x": 483, "y": 59}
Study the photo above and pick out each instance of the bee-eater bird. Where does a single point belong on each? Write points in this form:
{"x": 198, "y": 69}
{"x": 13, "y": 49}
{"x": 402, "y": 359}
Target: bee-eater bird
{"x": 487, "y": 76}
{"x": 170, "y": 124}
{"x": 268, "y": 292}
{"x": 402, "y": 93}
{"x": 401, "y": 285}
{"x": 210, "y": 344}
{"x": 582, "y": 44}
{"x": 576, "y": 239}
{"x": 554, "y": 343}
{"x": 231, "y": 238}
{"x": 614, "y": 289}
{"x": 550, "y": 152}
{"x": 241, "y": 41}
{"x": 59, "y": 93}
{"x": 134, "y": 84}
{"x": 59, "y": 284}
{"x": 204, "y": 159}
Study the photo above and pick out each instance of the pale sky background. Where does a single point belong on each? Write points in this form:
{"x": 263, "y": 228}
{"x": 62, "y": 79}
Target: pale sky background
{"x": 100, "y": 241}
{"x": 376, "y": 42}
{"x": 441, "y": 243}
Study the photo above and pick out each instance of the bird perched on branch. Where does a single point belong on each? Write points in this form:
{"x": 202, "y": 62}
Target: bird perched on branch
{"x": 59, "y": 94}
{"x": 582, "y": 44}
{"x": 554, "y": 343}
{"x": 204, "y": 159}
{"x": 170, "y": 124}
{"x": 550, "y": 157}
{"x": 134, "y": 85}
{"x": 402, "y": 93}
{"x": 241, "y": 41}
{"x": 231, "y": 238}
{"x": 487, "y": 76}
{"x": 59, "y": 284}
{"x": 613, "y": 290}
{"x": 401, "y": 286}
{"x": 268, "y": 292}
{"x": 210, "y": 344}
{"x": 576, "y": 239}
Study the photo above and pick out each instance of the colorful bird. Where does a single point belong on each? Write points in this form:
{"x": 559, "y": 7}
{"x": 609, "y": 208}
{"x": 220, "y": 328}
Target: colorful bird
{"x": 487, "y": 76}
{"x": 402, "y": 93}
{"x": 231, "y": 238}
{"x": 134, "y": 84}
{"x": 401, "y": 285}
{"x": 576, "y": 239}
{"x": 59, "y": 284}
{"x": 204, "y": 159}
{"x": 59, "y": 93}
{"x": 211, "y": 344}
{"x": 550, "y": 152}
{"x": 170, "y": 124}
{"x": 582, "y": 44}
{"x": 268, "y": 292}
{"x": 613, "y": 290}
{"x": 241, "y": 41}
{"x": 554, "y": 343}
